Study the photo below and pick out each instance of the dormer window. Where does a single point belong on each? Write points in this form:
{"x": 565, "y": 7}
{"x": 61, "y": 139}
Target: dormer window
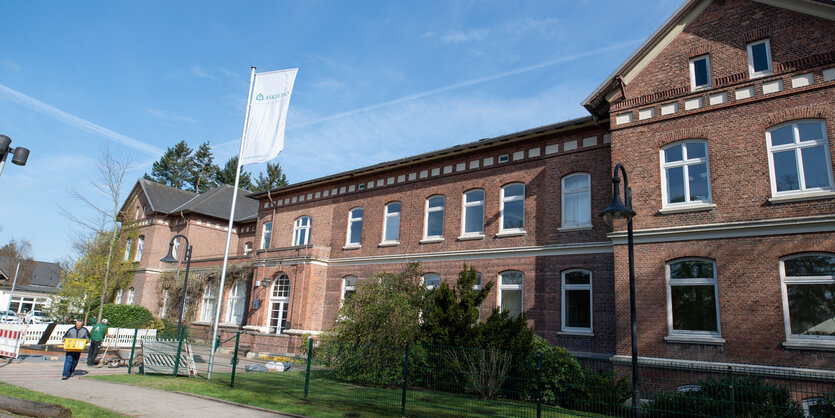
{"x": 759, "y": 58}
{"x": 700, "y": 72}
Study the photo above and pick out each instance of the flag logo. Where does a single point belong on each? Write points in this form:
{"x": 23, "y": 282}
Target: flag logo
{"x": 259, "y": 97}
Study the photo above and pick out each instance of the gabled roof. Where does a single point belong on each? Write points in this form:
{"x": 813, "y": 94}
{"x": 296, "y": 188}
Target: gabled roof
{"x": 597, "y": 103}
{"x": 218, "y": 201}
{"x": 164, "y": 198}
{"x": 45, "y": 274}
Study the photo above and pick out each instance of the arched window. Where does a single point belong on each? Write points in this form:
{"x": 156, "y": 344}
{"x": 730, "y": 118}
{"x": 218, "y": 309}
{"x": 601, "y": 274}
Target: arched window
{"x": 431, "y": 280}
{"x": 808, "y": 286}
{"x": 279, "y": 304}
{"x": 118, "y": 299}
{"x": 513, "y": 208}
{"x": 692, "y": 298}
{"x": 576, "y": 201}
{"x": 685, "y": 178}
{"x": 576, "y": 301}
{"x": 349, "y": 286}
{"x": 510, "y": 292}
{"x": 433, "y": 226}
{"x": 472, "y": 222}
{"x": 131, "y": 293}
{"x": 209, "y": 306}
{"x": 236, "y": 303}
{"x": 391, "y": 223}
{"x": 140, "y": 245}
{"x": 301, "y": 231}
{"x": 354, "y": 234}
{"x": 798, "y": 158}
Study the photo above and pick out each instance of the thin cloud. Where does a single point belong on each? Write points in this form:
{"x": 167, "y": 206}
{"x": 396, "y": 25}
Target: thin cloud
{"x": 9, "y": 65}
{"x": 168, "y": 116}
{"x": 522, "y": 70}
{"x": 457, "y": 37}
{"x": 75, "y": 121}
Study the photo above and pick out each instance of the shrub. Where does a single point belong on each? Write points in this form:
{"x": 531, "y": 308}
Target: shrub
{"x": 752, "y": 397}
{"x": 127, "y": 316}
{"x": 169, "y": 330}
{"x": 562, "y": 374}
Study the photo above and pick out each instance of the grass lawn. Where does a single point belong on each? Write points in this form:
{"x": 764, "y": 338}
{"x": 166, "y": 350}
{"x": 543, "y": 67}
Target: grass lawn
{"x": 79, "y": 409}
{"x": 285, "y": 392}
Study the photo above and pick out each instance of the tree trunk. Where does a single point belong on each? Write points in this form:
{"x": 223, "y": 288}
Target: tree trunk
{"x": 32, "y": 408}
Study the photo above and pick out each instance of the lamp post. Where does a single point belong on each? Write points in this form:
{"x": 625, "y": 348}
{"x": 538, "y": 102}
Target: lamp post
{"x": 21, "y": 155}
{"x": 618, "y": 211}
{"x": 170, "y": 258}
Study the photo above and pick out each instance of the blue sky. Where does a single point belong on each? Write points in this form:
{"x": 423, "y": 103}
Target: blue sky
{"x": 377, "y": 81}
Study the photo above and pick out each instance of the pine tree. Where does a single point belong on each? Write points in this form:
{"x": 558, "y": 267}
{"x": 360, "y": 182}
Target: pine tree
{"x": 202, "y": 170}
{"x": 226, "y": 175}
{"x": 173, "y": 168}
{"x": 275, "y": 178}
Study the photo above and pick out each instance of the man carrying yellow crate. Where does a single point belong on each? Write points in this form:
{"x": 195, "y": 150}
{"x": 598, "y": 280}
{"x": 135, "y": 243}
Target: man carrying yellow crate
{"x": 74, "y": 348}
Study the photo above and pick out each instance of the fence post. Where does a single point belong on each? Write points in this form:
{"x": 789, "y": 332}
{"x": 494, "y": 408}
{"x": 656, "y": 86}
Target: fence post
{"x": 132, "y": 348}
{"x": 179, "y": 350}
{"x": 731, "y": 388}
{"x": 235, "y": 359}
{"x": 309, "y": 360}
{"x": 405, "y": 380}
{"x": 538, "y": 385}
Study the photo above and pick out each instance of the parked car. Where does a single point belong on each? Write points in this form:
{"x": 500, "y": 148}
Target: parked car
{"x": 8, "y": 317}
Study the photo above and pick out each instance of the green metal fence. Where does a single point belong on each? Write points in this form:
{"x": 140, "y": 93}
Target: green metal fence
{"x": 429, "y": 380}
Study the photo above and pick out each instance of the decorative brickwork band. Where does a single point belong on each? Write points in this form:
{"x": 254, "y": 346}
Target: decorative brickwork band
{"x": 730, "y": 79}
{"x": 700, "y": 49}
{"x": 650, "y": 98}
{"x": 806, "y": 112}
{"x": 806, "y": 62}
{"x": 678, "y": 135}
{"x": 756, "y": 34}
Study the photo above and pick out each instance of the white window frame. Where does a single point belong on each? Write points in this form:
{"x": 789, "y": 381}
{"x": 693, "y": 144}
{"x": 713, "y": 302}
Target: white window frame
{"x": 282, "y": 301}
{"x": 298, "y": 226}
{"x": 236, "y": 298}
{"x": 693, "y": 86}
{"x": 389, "y": 216}
{"x": 563, "y": 193}
{"x": 427, "y": 211}
{"x": 808, "y": 403}
{"x": 248, "y": 248}
{"x": 131, "y": 295}
{"x": 351, "y": 220}
{"x": 692, "y": 282}
{"x": 175, "y": 248}
{"x": 266, "y": 235}
{"x": 798, "y": 146}
{"x": 346, "y": 287}
{"x": 685, "y": 163}
{"x": 503, "y": 287}
{"x": 209, "y": 300}
{"x": 784, "y": 281}
{"x": 465, "y": 205}
{"x": 164, "y": 309}
{"x": 564, "y": 287}
{"x": 128, "y": 244}
{"x": 140, "y": 245}
{"x": 505, "y": 199}
{"x": 770, "y": 69}
{"x": 429, "y": 286}
{"x": 118, "y": 299}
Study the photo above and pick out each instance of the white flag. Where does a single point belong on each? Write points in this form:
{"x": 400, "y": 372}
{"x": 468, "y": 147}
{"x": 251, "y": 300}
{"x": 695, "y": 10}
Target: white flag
{"x": 267, "y": 115}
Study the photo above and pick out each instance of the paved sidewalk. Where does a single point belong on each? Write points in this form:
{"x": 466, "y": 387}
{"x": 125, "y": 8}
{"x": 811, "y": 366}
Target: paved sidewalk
{"x": 45, "y": 377}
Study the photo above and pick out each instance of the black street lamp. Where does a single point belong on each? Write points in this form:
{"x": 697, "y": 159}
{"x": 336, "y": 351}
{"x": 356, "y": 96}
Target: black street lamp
{"x": 170, "y": 258}
{"x": 618, "y": 211}
{"x": 21, "y": 155}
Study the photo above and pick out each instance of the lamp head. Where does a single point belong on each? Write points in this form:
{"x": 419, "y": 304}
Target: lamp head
{"x": 616, "y": 210}
{"x": 20, "y": 156}
{"x": 170, "y": 257}
{"x": 5, "y": 141}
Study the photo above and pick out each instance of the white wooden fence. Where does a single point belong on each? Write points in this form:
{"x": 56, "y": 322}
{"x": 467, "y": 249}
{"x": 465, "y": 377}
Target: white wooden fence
{"x": 116, "y": 337}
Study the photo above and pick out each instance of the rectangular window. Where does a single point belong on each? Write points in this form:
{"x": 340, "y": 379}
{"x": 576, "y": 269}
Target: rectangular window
{"x": 131, "y": 293}
{"x": 349, "y": 286}
{"x": 513, "y": 208}
{"x": 799, "y": 159}
{"x": 127, "y": 248}
{"x": 140, "y": 245}
{"x": 510, "y": 292}
{"x": 473, "y": 221}
{"x": 391, "y": 223}
{"x": 685, "y": 173}
{"x": 266, "y": 235}
{"x": 809, "y": 297}
{"x": 759, "y": 58}
{"x": 248, "y": 248}
{"x": 576, "y": 201}
{"x": 235, "y": 305}
{"x": 693, "y": 298}
{"x": 354, "y": 227}
{"x": 576, "y": 301}
{"x": 434, "y": 227}
{"x": 118, "y": 299}
{"x": 700, "y": 72}
{"x": 209, "y": 307}
{"x": 431, "y": 280}
{"x": 164, "y": 309}
{"x": 301, "y": 231}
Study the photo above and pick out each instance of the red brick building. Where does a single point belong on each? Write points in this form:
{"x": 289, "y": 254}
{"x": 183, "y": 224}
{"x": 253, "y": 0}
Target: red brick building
{"x": 724, "y": 122}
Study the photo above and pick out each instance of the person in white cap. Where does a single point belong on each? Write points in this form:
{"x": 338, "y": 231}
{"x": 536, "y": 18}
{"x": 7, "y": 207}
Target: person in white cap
{"x": 96, "y": 337}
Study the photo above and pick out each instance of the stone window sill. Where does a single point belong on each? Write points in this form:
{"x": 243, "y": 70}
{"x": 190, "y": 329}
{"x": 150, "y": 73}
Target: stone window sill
{"x": 388, "y": 244}
{"x": 701, "y": 207}
{"x": 470, "y": 237}
{"x": 694, "y": 339}
{"x": 352, "y": 247}
{"x": 810, "y": 345}
{"x": 575, "y": 228}
{"x": 431, "y": 240}
{"x": 511, "y": 234}
{"x": 576, "y": 333}
{"x": 799, "y": 197}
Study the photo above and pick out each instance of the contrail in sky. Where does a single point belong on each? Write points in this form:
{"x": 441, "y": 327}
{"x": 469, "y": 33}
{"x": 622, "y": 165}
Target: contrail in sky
{"x": 77, "y": 122}
{"x": 473, "y": 82}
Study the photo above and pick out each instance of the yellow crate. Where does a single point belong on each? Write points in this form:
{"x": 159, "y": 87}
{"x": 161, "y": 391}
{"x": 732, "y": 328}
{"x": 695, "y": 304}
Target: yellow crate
{"x": 74, "y": 344}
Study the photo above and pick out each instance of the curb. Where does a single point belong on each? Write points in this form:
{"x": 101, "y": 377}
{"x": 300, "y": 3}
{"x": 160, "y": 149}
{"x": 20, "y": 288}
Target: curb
{"x": 209, "y": 398}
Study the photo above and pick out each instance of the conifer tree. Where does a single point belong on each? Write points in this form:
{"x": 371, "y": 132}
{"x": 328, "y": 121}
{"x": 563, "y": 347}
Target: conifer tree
{"x": 226, "y": 175}
{"x": 173, "y": 168}
{"x": 202, "y": 170}
{"x": 275, "y": 178}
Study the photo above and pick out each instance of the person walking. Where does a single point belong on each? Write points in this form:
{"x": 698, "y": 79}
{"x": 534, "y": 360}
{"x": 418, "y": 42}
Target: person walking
{"x": 96, "y": 338}
{"x": 71, "y": 360}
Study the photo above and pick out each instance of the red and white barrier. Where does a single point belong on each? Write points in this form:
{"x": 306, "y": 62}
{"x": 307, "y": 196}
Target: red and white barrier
{"x": 10, "y": 338}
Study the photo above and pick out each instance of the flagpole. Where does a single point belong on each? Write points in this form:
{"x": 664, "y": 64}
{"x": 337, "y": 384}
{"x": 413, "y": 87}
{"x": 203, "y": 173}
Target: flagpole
{"x": 229, "y": 231}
